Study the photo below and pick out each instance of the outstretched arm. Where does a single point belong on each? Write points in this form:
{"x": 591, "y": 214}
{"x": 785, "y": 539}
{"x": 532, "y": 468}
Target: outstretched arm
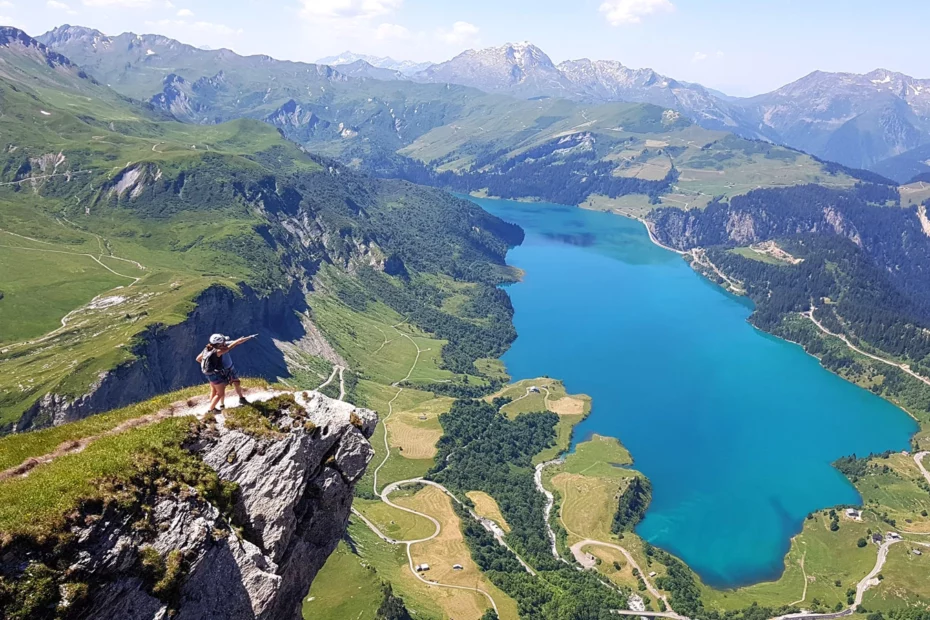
{"x": 237, "y": 342}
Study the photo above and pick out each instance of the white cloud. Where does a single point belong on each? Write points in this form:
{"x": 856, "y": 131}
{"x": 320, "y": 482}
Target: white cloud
{"x": 461, "y": 33}
{"x": 196, "y": 27}
{"x": 327, "y": 10}
{"x": 701, "y": 56}
{"x": 6, "y": 4}
{"x": 128, "y": 4}
{"x": 185, "y": 13}
{"x": 6, "y": 20}
{"x": 619, "y": 12}
{"x": 60, "y": 6}
{"x": 391, "y": 31}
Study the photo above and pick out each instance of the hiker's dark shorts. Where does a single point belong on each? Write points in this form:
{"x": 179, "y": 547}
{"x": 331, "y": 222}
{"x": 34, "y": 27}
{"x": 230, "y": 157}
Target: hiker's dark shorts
{"x": 216, "y": 378}
{"x": 230, "y": 374}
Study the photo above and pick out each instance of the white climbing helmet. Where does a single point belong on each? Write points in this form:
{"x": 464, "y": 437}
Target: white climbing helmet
{"x": 218, "y": 339}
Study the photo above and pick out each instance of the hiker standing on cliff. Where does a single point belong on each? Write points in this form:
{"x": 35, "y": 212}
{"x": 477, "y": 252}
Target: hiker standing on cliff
{"x": 211, "y": 364}
{"x": 229, "y": 370}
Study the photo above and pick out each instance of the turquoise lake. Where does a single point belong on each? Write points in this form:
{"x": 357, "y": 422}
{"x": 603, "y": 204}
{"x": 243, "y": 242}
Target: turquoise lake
{"x": 736, "y": 429}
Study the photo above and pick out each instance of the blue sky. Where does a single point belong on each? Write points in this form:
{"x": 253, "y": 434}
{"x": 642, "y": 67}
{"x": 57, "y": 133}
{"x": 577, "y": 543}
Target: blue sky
{"x": 742, "y": 47}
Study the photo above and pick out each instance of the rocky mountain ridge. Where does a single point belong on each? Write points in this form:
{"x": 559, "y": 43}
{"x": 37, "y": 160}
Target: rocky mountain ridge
{"x": 175, "y": 548}
{"x": 859, "y": 120}
{"x": 405, "y": 67}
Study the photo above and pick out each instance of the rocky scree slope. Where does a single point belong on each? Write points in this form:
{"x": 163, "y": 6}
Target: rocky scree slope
{"x": 164, "y": 547}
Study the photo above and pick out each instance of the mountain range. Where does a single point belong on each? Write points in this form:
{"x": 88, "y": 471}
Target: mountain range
{"x": 345, "y": 111}
{"x": 404, "y": 67}
{"x": 873, "y": 121}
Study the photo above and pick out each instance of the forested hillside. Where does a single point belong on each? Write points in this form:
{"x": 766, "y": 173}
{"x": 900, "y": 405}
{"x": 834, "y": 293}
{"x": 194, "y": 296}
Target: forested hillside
{"x": 481, "y": 449}
{"x": 860, "y": 260}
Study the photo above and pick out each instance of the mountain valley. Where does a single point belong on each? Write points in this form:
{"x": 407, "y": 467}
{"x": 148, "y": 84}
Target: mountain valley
{"x": 153, "y": 193}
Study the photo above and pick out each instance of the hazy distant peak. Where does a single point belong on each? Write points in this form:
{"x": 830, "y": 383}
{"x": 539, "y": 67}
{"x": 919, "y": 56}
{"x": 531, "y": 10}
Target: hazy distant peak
{"x": 406, "y": 67}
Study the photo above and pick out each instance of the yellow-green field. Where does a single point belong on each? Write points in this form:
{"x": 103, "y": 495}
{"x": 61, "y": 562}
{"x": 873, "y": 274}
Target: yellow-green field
{"x": 551, "y": 396}
{"x": 589, "y": 483}
{"x": 906, "y": 580}
{"x": 486, "y": 506}
{"x": 448, "y": 549}
{"x": 348, "y": 588}
{"x": 827, "y": 557}
{"x": 397, "y": 524}
{"x": 914, "y": 193}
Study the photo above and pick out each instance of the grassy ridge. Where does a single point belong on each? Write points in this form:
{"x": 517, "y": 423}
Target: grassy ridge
{"x": 35, "y": 505}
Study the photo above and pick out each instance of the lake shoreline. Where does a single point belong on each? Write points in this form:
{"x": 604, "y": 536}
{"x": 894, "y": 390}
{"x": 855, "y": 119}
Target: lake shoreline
{"x": 560, "y": 228}
{"x": 655, "y": 241}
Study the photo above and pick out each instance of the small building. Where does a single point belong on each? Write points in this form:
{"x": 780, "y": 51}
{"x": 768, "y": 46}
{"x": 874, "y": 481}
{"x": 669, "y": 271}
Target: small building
{"x": 917, "y": 552}
{"x": 893, "y": 536}
{"x": 534, "y": 389}
{"x": 653, "y": 574}
{"x": 877, "y": 538}
{"x": 422, "y": 416}
{"x": 422, "y": 567}
{"x": 456, "y": 567}
{"x": 852, "y": 513}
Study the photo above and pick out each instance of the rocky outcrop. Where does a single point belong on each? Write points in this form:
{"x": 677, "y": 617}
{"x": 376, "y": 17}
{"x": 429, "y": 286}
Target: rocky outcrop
{"x": 762, "y": 215}
{"x": 295, "y": 493}
{"x": 165, "y": 356}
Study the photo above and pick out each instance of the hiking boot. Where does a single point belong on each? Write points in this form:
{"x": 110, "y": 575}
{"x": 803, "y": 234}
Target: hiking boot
{"x": 223, "y": 406}
{"x": 243, "y": 401}
{"x": 215, "y": 411}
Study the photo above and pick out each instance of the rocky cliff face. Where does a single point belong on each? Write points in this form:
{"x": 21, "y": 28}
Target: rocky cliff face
{"x": 165, "y": 355}
{"x": 761, "y": 215}
{"x": 294, "y": 495}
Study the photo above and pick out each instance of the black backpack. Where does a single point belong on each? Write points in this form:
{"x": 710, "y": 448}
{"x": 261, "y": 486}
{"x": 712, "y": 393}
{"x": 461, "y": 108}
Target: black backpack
{"x": 211, "y": 363}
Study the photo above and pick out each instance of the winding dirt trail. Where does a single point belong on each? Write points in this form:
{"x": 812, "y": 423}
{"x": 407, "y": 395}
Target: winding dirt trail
{"x": 803, "y": 574}
{"x": 489, "y": 525}
{"x": 409, "y": 543}
{"x": 104, "y": 253}
{"x": 861, "y": 588}
{"x": 701, "y": 258}
{"x": 196, "y": 407}
{"x": 329, "y": 380}
{"x": 577, "y": 551}
{"x": 919, "y": 459}
{"x": 387, "y": 447}
{"x": 810, "y": 314}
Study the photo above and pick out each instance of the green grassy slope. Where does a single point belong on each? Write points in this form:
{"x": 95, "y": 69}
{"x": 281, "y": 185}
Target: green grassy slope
{"x": 114, "y": 219}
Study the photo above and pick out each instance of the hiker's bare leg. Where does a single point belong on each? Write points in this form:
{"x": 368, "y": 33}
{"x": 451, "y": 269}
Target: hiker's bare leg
{"x": 238, "y": 386}
{"x": 219, "y": 396}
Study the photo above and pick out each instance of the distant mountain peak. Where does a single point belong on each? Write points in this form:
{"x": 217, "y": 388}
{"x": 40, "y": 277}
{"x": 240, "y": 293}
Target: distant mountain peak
{"x": 66, "y": 33}
{"x": 406, "y": 67}
{"x": 14, "y": 37}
